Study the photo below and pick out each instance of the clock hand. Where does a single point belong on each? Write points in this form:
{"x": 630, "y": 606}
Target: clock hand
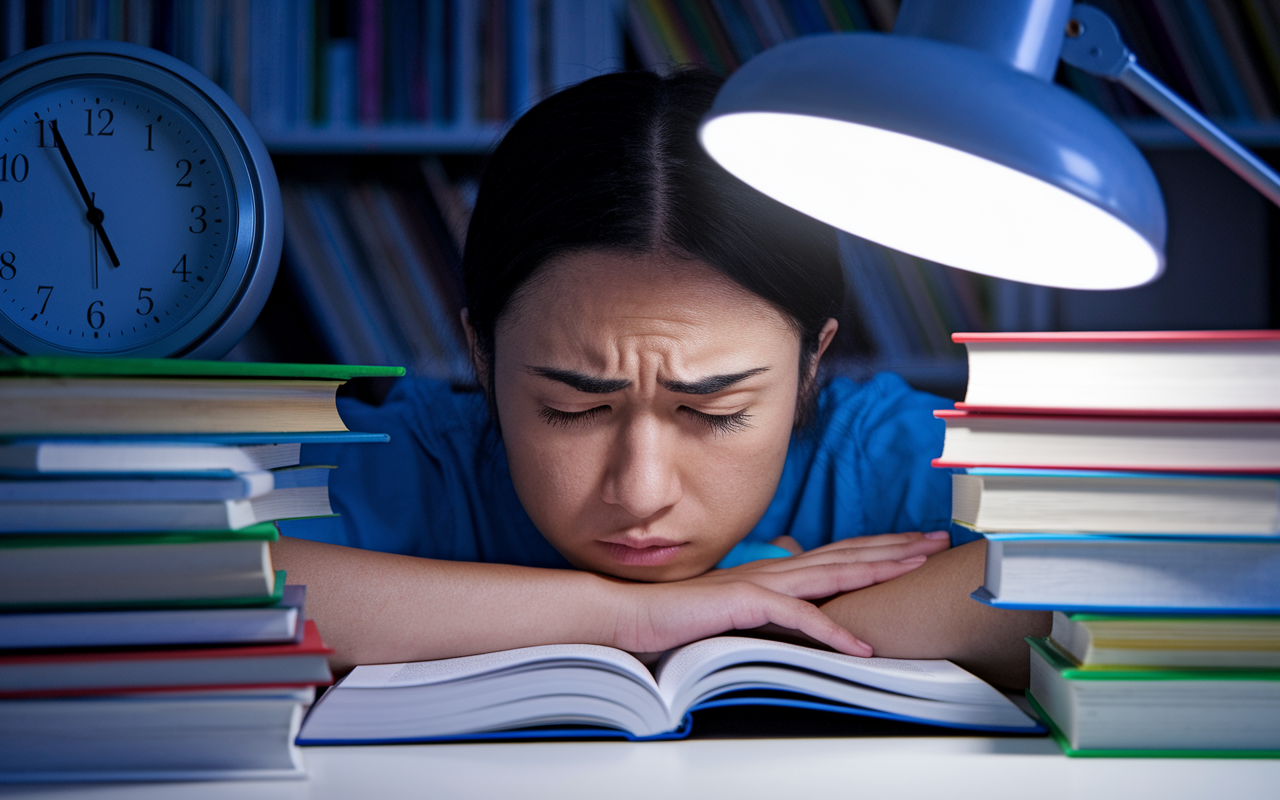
{"x": 95, "y": 258}
{"x": 95, "y": 215}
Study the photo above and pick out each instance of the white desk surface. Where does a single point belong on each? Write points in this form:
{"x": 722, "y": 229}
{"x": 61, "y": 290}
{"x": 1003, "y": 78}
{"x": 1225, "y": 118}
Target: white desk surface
{"x": 804, "y": 769}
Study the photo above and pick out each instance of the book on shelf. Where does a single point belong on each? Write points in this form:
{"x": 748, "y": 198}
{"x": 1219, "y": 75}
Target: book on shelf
{"x": 1174, "y": 713}
{"x": 997, "y": 500}
{"x": 362, "y": 64}
{"x": 171, "y": 487}
{"x": 1131, "y": 574}
{"x": 1148, "y": 373}
{"x": 1112, "y": 641}
{"x": 154, "y": 736}
{"x": 139, "y": 568}
{"x": 47, "y": 673}
{"x": 1192, "y": 444}
{"x": 587, "y": 690}
{"x": 157, "y": 627}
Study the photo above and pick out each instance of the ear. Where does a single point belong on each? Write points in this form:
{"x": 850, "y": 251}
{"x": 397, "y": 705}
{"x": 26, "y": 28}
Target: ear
{"x": 825, "y": 336}
{"x": 477, "y": 358}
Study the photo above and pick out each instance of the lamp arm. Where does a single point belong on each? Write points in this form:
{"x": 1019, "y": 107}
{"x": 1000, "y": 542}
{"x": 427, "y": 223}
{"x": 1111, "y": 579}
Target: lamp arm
{"x": 1094, "y": 45}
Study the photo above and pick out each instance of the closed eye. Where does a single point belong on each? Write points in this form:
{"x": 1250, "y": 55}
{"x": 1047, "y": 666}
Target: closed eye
{"x": 720, "y": 423}
{"x": 569, "y": 419}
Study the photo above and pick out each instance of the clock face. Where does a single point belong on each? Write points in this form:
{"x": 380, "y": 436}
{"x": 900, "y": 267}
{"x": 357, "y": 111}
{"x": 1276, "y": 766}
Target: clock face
{"x": 134, "y": 249}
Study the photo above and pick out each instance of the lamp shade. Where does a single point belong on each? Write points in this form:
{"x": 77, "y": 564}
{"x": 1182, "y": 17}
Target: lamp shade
{"x": 946, "y": 153}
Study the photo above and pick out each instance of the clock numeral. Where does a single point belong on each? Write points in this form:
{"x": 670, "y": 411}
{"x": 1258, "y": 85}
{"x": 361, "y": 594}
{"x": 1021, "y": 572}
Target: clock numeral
{"x": 181, "y": 268}
{"x": 45, "y": 304}
{"x": 96, "y": 318}
{"x": 103, "y": 131}
{"x": 7, "y": 270}
{"x": 40, "y": 122}
{"x": 149, "y": 147}
{"x": 10, "y": 168}
{"x": 1, "y": 209}
{"x": 204, "y": 223}
{"x": 186, "y": 176}
{"x": 142, "y": 295}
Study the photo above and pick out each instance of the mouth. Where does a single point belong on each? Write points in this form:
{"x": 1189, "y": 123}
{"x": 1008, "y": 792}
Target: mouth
{"x": 647, "y": 552}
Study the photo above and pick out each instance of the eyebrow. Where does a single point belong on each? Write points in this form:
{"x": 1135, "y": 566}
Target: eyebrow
{"x": 593, "y": 385}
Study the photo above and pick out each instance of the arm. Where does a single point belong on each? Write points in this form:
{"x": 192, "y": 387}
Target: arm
{"x": 379, "y": 607}
{"x": 928, "y": 614}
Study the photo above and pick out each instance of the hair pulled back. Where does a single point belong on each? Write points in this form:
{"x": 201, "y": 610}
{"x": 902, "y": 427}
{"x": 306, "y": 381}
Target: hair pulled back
{"x": 614, "y": 163}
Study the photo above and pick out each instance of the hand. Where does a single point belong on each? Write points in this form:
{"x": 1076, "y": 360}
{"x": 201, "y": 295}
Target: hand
{"x": 659, "y": 616}
{"x": 94, "y": 215}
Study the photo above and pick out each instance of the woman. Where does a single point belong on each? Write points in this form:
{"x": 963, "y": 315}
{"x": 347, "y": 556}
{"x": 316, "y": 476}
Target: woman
{"x": 647, "y": 332}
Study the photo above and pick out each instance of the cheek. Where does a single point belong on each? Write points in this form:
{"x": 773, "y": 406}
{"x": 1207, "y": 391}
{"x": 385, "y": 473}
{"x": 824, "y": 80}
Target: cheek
{"x": 556, "y": 472}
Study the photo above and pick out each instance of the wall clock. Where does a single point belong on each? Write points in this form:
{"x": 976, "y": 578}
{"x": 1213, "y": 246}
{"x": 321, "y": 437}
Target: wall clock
{"x": 139, "y": 211}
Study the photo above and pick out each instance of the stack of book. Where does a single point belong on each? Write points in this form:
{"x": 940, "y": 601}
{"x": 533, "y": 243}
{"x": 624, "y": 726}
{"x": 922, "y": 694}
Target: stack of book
{"x": 1130, "y": 482}
{"x": 144, "y": 633}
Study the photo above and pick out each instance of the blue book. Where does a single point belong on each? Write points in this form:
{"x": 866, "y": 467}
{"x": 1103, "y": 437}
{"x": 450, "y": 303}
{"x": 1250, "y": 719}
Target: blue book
{"x": 573, "y": 691}
{"x": 1132, "y": 574}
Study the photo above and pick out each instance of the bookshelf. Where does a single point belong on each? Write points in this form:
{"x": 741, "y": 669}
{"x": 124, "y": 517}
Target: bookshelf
{"x": 375, "y": 94}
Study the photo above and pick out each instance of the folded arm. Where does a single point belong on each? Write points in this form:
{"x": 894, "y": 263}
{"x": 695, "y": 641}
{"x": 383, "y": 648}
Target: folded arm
{"x": 928, "y": 613}
{"x": 384, "y": 608}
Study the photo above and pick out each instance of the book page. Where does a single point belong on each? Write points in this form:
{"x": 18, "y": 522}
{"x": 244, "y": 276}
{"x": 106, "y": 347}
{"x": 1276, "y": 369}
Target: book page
{"x": 928, "y": 679}
{"x": 421, "y": 673}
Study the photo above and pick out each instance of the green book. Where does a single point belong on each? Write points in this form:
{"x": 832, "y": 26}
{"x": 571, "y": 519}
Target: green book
{"x": 65, "y": 366}
{"x": 136, "y": 570}
{"x": 1161, "y": 713}
{"x": 53, "y": 395}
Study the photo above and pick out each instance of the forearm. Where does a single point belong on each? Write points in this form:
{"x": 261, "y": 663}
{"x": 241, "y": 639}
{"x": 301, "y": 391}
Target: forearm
{"x": 927, "y": 613}
{"x": 377, "y": 608}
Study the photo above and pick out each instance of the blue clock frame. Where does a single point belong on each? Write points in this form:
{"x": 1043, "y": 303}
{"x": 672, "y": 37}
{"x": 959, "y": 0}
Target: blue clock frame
{"x": 254, "y": 222}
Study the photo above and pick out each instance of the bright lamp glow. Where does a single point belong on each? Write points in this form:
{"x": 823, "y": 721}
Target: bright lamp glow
{"x": 932, "y": 201}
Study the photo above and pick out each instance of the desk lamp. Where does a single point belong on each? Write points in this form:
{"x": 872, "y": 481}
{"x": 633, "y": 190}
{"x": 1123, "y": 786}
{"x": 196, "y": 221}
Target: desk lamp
{"x": 948, "y": 140}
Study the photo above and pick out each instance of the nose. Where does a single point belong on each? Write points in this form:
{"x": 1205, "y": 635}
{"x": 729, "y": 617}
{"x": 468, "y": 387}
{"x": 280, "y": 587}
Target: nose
{"x": 642, "y": 477}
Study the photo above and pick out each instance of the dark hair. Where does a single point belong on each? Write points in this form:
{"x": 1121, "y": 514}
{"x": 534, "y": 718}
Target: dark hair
{"x": 614, "y": 163}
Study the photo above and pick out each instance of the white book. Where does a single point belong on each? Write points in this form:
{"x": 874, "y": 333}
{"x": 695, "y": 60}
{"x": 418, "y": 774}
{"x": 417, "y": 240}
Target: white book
{"x": 602, "y": 687}
{"x": 1109, "y": 443}
{"x": 112, "y": 457}
{"x": 1006, "y": 501}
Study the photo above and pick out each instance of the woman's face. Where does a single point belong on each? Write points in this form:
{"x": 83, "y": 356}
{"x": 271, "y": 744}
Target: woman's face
{"x": 646, "y": 407}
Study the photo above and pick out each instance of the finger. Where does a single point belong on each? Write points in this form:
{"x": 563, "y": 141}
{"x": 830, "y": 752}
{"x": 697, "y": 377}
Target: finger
{"x": 847, "y": 555}
{"x": 879, "y": 540}
{"x": 808, "y": 619}
{"x": 825, "y": 580}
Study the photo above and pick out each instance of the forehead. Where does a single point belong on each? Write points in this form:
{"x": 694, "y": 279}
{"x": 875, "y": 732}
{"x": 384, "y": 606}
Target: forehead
{"x": 623, "y": 294}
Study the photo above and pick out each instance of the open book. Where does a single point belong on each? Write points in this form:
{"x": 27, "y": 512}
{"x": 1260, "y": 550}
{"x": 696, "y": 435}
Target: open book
{"x": 589, "y": 690}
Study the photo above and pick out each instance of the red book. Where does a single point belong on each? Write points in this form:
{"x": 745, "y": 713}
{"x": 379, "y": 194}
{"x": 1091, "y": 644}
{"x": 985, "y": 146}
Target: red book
{"x": 1186, "y": 444}
{"x": 295, "y": 664}
{"x": 1125, "y": 373}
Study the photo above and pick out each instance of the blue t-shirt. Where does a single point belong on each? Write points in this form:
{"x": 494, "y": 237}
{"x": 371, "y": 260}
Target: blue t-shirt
{"x": 441, "y": 488}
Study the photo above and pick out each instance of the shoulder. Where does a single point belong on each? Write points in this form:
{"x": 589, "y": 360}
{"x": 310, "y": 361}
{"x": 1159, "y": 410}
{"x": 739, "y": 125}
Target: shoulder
{"x": 883, "y": 404}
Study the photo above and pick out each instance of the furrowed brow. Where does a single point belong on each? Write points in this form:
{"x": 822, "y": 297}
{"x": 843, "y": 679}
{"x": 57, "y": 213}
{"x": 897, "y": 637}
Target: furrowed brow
{"x": 583, "y": 383}
{"x": 712, "y": 383}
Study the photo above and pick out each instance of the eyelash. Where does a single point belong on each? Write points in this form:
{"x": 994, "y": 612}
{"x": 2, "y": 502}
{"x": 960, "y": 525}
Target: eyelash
{"x": 718, "y": 423}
